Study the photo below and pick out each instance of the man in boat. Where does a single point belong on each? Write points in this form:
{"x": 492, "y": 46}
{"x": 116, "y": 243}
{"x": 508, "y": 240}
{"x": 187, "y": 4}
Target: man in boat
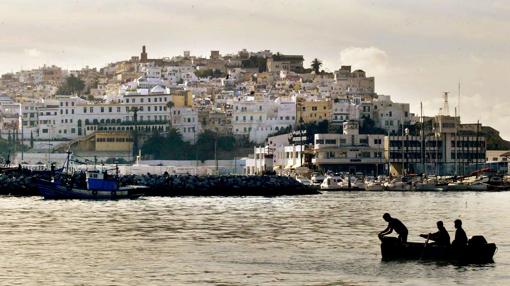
{"x": 394, "y": 225}
{"x": 441, "y": 237}
{"x": 460, "y": 235}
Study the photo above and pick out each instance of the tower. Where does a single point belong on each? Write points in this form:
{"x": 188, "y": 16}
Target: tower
{"x": 143, "y": 55}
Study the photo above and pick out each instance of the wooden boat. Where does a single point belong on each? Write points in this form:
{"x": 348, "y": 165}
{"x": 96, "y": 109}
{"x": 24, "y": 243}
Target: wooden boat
{"x": 477, "y": 251}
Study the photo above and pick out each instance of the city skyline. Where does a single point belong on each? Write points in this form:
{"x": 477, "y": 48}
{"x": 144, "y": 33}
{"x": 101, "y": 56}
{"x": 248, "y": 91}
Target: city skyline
{"x": 415, "y": 51}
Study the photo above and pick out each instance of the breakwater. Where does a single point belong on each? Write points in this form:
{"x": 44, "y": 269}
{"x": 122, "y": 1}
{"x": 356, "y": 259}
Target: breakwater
{"x": 22, "y": 183}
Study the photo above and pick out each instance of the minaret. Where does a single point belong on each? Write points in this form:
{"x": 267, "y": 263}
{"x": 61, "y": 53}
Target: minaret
{"x": 143, "y": 55}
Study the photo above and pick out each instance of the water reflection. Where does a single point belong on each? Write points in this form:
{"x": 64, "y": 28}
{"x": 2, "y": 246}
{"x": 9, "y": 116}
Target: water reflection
{"x": 313, "y": 240}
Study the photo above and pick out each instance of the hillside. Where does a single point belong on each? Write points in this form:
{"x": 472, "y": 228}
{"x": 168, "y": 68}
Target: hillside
{"x": 494, "y": 140}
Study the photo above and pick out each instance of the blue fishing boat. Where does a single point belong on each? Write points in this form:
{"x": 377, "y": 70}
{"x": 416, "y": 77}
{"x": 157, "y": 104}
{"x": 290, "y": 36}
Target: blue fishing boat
{"x": 99, "y": 186}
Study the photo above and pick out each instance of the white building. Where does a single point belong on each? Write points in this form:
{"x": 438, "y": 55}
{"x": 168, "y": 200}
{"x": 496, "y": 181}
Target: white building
{"x": 350, "y": 151}
{"x": 259, "y": 117}
{"x": 185, "y": 120}
{"x": 343, "y": 110}
{"x": 390, "y": 115}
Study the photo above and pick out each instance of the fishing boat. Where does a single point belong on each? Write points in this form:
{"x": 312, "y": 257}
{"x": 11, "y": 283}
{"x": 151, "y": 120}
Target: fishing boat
{"x": 99, "y": 186}
{"x": 476, "y": 251}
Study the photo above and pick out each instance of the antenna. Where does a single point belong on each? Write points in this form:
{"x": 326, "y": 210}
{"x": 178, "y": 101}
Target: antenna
{"x": 446, "y": 109}
{"x": 458, "y": 103}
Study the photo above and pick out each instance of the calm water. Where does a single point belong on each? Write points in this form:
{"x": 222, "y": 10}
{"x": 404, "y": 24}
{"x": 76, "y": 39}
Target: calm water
{"x": 314, "y": 240}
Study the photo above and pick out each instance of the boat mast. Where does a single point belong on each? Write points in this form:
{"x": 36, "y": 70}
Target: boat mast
{"x": 422, "y": 133}
{"x": 455, "y": 144}
{"x": 402, "y": 141}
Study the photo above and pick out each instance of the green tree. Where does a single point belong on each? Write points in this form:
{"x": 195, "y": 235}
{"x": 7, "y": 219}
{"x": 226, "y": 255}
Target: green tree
{"x": 72, "y": 85}
{"x": 316, "y": 65}
{"x": 170, "y": 147}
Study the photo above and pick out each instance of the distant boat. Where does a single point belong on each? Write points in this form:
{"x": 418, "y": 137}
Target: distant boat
{"x": 477, "y": 251}
{"x": 99, "y": 186}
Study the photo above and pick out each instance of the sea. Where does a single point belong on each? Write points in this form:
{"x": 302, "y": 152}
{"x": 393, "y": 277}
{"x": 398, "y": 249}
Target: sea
{"x": 327, "y": 239}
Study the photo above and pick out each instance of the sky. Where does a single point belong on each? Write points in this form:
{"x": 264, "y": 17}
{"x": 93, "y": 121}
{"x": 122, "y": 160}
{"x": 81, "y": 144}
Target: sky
{"x": 416, "y": 50}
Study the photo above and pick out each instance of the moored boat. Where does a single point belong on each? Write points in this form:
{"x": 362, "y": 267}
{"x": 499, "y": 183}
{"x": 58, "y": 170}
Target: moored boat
{"x": 99, "y": 186}
{"x": 477, "y": 251}
{"x": 56, "y": 189}
{"x": 331, "y": 182}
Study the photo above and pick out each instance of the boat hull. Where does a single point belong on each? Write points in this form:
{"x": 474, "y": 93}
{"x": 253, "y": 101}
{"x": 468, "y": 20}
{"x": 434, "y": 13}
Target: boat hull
{"x": 54, "y": 191}
{"x": 392, "y": 249}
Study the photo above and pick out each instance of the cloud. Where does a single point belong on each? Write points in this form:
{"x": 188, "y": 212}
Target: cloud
{"x": 370, "y": 59}
{"x": 34, "y": 53}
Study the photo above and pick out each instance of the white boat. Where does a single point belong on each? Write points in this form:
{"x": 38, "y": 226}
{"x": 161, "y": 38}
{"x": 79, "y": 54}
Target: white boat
{"x": 469, "y": 184}
{"x": 397, "y": 185}
{"x": 352, "y": 184}
{"x": 317, "y": 178}
{"x": 374, "y": 185}
{"x": 429, "y": 185}
{"x": 331, "y": 182}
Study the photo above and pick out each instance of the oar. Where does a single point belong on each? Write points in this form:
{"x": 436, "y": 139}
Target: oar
{"x": 425, "y": 246}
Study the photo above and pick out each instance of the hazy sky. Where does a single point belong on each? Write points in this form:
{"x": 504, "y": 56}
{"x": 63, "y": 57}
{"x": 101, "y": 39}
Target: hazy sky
{"x": 415, "y": 49}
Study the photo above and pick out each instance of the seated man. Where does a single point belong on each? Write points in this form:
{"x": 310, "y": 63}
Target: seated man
{"x": 394, "y": 224}
{"x": 460, "y": 235}
{"x": 441, "y": 237}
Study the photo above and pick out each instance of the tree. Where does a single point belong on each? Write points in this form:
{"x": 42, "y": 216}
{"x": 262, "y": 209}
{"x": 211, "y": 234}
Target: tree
{"x": 316, "y": 65}
{"x": 368, "y": 127}
{"x": 72, "y": 85}
{"x": 171, "y": 146}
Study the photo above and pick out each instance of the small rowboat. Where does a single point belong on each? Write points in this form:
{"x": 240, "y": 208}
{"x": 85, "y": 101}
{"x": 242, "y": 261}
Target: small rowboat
{"x": 477, "y": 251}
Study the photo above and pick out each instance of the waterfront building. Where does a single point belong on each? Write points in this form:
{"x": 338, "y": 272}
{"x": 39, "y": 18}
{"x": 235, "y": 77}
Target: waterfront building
{"x": 442, "y": 149}
{"x": 350, "y": 151}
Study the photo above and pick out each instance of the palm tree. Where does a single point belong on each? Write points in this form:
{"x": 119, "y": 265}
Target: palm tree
{"x": 169, "y": 106}
{"x": 316, "y": 65}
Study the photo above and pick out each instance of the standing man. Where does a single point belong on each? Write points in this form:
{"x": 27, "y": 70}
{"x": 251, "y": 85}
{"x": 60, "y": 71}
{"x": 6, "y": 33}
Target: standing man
{"x": 394, "y": 225}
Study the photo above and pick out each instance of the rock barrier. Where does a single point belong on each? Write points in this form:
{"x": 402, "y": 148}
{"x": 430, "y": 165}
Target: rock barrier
{"x": 22, "y": 183}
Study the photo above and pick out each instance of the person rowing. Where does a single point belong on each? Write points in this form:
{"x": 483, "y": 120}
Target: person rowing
{"x": 441, "y": 237}
{"x": 396, "y": 225}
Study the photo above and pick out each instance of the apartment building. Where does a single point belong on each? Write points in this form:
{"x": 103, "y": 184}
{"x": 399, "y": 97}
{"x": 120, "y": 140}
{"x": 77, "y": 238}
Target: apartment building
{"x": 350, "y": 151}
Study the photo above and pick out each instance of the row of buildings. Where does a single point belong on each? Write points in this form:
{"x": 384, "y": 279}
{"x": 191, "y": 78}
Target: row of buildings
{"x": 438, "y": 150}
{"x": 262, "y": 96}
